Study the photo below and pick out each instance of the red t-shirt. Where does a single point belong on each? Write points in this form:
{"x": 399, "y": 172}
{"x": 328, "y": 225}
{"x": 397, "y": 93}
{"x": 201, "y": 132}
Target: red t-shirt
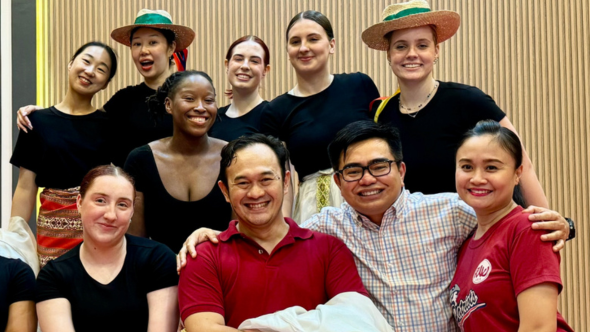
{"x": 492, "y": 270}
{"x": 239, "y": 280}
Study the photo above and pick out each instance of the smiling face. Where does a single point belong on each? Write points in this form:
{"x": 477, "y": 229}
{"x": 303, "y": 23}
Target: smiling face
{"x": 255, "y": 187}
{"x": 246, "y": 68}
{"x": 412, "y": 53}
{"x": 192, "y": 106}
{"x": 309, "y": 47}
{"x": 106, "y": 209}
{"x": 371, "y": 196}
{"x": 486, "y": 174}
{"x": 89, "y": 72}
{"x": 151, "y": 53}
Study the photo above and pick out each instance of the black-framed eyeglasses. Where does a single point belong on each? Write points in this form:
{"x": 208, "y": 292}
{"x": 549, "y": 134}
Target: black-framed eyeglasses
{"x": 376, "y": 169}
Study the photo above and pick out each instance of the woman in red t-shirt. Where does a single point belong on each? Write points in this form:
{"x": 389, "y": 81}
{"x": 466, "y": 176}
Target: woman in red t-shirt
{"x": 506, "y": 279}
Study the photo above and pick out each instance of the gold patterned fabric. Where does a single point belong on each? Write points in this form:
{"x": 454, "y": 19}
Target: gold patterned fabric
{"x": 59, "y": 226}
{"x": 323, "y": 192}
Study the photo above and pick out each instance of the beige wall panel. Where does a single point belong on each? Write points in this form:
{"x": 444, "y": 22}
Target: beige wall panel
{"x": 531, "y": 56}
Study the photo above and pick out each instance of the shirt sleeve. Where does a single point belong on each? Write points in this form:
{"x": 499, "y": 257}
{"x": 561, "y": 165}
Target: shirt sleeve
{"x": 28, "y": 149}
{"x": 481, "y": 106}
{"x": 161, "y": 269}
{"x": 271, "y": 120}
{"x": 22, "y": 284}
{"x": 532, "y": 261}
{"x": 342, "y": 274}
{"x": 49, "y": 284}
{"x": 371, "y": 90}
{"x": 133, "y": 166}
{"x": 199, "y": 288}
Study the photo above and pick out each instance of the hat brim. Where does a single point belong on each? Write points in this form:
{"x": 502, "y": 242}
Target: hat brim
{"x": 184, "y": 35}
{"x": 446, "y": 23}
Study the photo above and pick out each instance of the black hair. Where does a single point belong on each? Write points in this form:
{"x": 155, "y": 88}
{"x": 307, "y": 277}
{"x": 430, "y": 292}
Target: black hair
{"x": 505, "y": 137}
{"x": 361, "y": 131}
{"x": 168, "y": 34}
{"x": 157, "y": 102}
{"x": 112, "y": 55}
{"x": 508, "y": 140}
{"x": 315, "y": 16}
{"x": 228, "y": 153}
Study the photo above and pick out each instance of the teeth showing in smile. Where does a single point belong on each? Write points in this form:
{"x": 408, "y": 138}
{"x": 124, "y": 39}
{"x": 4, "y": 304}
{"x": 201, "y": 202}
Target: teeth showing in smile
{"x": 243, "y": 77}
{"x": 480, "y": 191}
{"x": 85, "y": 80}
{"x": 257, "y": 205}
{"x": 197, "y": 119}
{"x": 413, "y": 65}
{"x": 369, "y": 193}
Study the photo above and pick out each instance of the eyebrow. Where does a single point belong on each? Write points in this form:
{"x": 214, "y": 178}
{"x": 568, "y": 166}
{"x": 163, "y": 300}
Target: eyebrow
{"x": 152, "y": 35}
{"x": 254, "y": 56}
{"x": 490, "y": 160}
{"x": 243, "y": 177}
{"x": 107, "y": 195}
{"x": 376, "y": 160}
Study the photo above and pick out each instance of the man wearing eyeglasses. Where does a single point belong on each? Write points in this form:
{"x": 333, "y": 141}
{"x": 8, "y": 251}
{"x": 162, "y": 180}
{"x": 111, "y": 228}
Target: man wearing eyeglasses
{"x": 404, "y": 244}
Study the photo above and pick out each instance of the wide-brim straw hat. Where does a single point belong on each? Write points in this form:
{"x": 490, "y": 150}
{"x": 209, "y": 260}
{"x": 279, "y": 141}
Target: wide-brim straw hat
{"x": 411, "y": 14}
{"x": 158, "y": 19}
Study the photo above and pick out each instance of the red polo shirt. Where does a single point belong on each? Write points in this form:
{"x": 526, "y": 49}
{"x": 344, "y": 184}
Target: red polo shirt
{"x": 239, "y": 280}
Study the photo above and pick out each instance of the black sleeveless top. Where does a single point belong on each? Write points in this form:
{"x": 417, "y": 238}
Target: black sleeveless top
{"x": 167, "y": 219}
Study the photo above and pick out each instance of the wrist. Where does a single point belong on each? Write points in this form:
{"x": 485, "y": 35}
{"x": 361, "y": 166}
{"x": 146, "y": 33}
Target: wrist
{"x": 572, "y": 229}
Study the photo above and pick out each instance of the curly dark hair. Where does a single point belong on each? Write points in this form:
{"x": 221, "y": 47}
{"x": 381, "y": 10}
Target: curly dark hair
{"x": 157, "y": 102}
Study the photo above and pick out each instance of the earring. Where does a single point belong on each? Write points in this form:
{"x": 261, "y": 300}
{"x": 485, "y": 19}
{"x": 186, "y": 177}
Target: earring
{"x": 435, "y": 61}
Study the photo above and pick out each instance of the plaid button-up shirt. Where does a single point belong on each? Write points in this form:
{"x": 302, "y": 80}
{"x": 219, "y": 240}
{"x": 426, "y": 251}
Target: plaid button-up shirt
{"x": 408, "y": 262}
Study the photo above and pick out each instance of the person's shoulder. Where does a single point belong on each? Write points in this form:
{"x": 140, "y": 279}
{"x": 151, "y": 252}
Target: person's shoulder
{"x": 352, "y": 78}
{"x": 64, "y": 264}
{"x": 139, "y": 152}
{"x": 433, "y": 199}
{"x": 146, "y": 248}
{"x": 464, "y": 91}
{"x": 15, "y": 266}
{"x": 223, "y": 109}
{"x": 518, "y": 221}
{"x": 45, "y": 114}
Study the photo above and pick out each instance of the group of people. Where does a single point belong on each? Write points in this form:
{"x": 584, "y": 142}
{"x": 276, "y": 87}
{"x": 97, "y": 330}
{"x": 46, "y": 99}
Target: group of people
{"x": 380, "y": 240}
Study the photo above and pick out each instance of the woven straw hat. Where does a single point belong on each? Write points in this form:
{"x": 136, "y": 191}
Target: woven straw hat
{"x": 158, "y": 19}
{"x": 411, "y": 14}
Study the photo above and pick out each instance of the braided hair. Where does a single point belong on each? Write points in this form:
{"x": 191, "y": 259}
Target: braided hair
{"x": 157, "y": 102}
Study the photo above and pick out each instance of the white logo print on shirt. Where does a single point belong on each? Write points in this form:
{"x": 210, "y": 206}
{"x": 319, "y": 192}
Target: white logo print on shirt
{"x": 482, "y": 272}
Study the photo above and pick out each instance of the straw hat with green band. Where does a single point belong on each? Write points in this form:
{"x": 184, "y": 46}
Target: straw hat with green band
{"x": 411, "y": 14}
{"x": 157, "y": 19}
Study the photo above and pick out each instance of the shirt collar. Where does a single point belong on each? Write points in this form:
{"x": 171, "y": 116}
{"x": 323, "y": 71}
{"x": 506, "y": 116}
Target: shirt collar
{"x": 294, "y": 231}
{"x": 388, "y": 217}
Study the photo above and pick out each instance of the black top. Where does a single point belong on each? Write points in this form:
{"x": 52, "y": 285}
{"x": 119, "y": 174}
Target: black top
{"x": 228, "y": 129}
{"x": 308, "y": 124}
{"x": 167, "y": 219}
{"x": 430, "y": 140}
{"x": 133, "y": 125}
{"x": 17, "y": 283}
{"x": 120, "y": 305}
{"x": 63, "y": 147}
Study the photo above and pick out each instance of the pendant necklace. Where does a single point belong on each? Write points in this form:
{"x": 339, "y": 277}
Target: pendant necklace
{"x": 408, "y": 111}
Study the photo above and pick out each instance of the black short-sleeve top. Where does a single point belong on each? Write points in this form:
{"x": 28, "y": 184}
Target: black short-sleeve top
{"x": 133, "y": 125}
{"x": 228, "y": 129}
{"x": 17, "y": 283}
{"x": 120, "y": 305}
{"x": 308, "y": 124}
{"x": 63, "y": 148}
{"x": 430, "y": 140}
{"x": 167, "y": 219}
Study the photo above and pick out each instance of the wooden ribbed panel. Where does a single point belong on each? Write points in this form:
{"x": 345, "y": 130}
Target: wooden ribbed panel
{"x": 531, "y": 56}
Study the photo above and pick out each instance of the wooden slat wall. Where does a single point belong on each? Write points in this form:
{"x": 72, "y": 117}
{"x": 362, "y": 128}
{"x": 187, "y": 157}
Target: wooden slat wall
{"x": 531, "y": 56}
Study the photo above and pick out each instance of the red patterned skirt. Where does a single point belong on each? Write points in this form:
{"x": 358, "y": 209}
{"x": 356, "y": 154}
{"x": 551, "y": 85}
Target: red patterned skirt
{"x": 59, "y": 226}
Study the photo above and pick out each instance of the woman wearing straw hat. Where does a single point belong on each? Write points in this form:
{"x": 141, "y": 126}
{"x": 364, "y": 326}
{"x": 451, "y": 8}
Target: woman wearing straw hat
{"x": 308, "y": 116}
{"x": 432, "y": 116}
{"x": 153, "y": 39}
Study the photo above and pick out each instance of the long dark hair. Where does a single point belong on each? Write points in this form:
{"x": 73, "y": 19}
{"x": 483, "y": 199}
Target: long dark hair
{"x": 315, "y": 16}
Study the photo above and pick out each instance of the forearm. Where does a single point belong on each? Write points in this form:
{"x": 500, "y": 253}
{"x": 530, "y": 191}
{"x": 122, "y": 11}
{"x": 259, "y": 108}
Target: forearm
{"x": 531, "y": 187}
{"x": 163, "y": 310}
{"x": 24, "y": 199}
{"x": 208, "y": 322}
{"x": 22, "y": 317}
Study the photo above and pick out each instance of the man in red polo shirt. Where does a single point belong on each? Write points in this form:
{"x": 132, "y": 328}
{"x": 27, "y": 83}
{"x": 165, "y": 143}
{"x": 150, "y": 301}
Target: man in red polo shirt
{"x": 263, "y": 262}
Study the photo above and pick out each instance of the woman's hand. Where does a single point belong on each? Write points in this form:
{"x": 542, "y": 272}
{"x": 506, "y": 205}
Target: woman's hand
{"x": 545, "y": 219}
{"x": 198, "y": 236}
{"x": 22, "y": 120}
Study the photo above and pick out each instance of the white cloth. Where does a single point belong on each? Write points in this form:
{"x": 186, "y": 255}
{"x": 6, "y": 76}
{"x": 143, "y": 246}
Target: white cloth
{"x": 19, "y": 242}
{"x": 346, "y": 312}
{"x": 306, "y": 203}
